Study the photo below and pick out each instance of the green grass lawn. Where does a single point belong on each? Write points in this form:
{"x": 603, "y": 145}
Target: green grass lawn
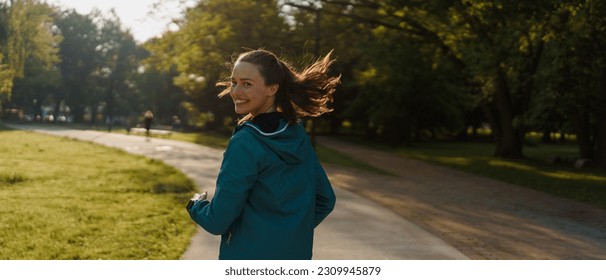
{"x": 206, "y": 139}
{"x": 64, "y": 199}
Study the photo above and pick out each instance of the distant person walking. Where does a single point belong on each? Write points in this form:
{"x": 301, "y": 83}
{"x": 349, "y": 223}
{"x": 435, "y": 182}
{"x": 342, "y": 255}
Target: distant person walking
{"x": 271, "y": 191}
{"x": 176, "y": 123}
{"x": 148, "y": 118}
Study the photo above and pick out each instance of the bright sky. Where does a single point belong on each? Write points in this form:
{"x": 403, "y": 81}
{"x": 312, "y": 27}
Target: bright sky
{"x": 133, "y": 14}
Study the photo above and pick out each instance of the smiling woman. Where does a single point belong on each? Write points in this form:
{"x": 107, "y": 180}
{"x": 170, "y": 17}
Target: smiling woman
{"x": 276, "y": 86}
{"x": 249, "y": 92}
{"x": 271, "y": 190}
{"x": 63, "y": 199}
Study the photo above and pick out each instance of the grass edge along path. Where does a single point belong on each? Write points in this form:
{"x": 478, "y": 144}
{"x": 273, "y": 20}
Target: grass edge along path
{"x": 64, "y": 199}
{"x": 584, "y": 185}
{"x": 325, "y": 155}
{"x": 216, "y": 140}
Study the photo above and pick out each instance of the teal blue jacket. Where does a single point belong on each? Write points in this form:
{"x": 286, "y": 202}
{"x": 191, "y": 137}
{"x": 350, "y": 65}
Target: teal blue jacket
{"x": 271, "y": 193}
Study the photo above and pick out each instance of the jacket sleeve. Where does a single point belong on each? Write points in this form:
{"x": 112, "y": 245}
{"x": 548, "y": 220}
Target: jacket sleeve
{"x": 325, "y": 196}
{"x": 236, "y": 177}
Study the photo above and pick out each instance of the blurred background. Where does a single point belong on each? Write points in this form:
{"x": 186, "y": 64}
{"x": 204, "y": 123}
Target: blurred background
{"x": 511, "y": 73}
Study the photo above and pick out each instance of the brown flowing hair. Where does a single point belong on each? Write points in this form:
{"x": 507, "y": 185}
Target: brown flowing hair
{"x": 300, "y": 94}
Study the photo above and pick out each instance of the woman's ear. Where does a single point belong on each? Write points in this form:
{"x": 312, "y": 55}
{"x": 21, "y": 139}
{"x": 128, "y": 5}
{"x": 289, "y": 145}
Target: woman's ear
{"x": 273, "y": 89}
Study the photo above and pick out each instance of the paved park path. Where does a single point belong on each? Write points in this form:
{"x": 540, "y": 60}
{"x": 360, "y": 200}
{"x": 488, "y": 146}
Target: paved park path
{"x": 358, "y": 228}
{"x": 483, "y": 218}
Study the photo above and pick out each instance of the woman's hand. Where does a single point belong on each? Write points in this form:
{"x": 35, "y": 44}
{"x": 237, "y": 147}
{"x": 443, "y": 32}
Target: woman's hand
{"x": 200, "y": 196}
{"x": 197, "y": 197}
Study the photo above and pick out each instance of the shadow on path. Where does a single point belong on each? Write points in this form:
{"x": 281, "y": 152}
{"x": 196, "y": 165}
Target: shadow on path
{"x": 483, "y": 218}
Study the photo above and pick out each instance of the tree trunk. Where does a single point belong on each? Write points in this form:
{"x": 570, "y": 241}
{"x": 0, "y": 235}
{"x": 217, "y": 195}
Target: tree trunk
{"x": 582, "y": 127}
{"x": 546, "y": 137}
{"x": 600, "y": 128}
{"x": 600, "y": 153}
{"x": 335, "y": 124}
{"x": 109, "y": 114}
{"x": 56, "y": 110}
{"x": 511, "y": 144}
{"x": 93, "y": 113}
{"x": 395, "y": 133}
{"x": 508, "y": 137}
{"x": 77, "y": 112}
{"x": 492, "y": 118}
{"x": 370, "y": 132}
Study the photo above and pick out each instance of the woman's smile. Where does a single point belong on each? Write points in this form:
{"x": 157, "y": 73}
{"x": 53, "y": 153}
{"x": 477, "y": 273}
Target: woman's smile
{"x": 249, "y": 92}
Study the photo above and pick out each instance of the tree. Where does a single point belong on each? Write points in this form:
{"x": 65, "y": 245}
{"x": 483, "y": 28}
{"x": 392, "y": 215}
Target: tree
{"x": 498, "y": 45}
{"x": 6, "y": 73}
{"x": 79, "y": 59}
{"x": 115, "y": 70}
{"x": 156, "y": 83}
{"x": 317, "y": 29}
{"x": 158, "y": 93}
{"x": 406, "y": 93}
{"x": 577, "y": 75}
{"x": 32, "y": 52}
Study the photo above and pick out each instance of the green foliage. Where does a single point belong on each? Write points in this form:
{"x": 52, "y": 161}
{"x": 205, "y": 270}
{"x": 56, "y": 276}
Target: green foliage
{"x": 6, "y": 73}
{"x": 156, "y": 91}
{"x": 117, "y": 67}
{"x": 497, "y": 46}
{"x": 31, "y": 51}
{"x": 32, "y": 41}
{"x": 3, "y": 23}
{"x": 66, "y": 63}
{"x": 195, "y": 118}
{"x": 79, "y": 60}
{"x": 73, "y": 200}
{"x": 575, "y": 75}
{"x": 6, "y": 79}
{"x": 407, "y": 92}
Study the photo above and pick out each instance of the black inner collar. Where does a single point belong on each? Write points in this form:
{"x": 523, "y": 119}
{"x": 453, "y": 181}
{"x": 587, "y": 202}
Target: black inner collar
{"x": 268, "y": 122}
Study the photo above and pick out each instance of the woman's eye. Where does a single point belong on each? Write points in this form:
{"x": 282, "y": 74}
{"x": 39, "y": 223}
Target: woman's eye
{"x": 233, "y": 84}
{"x": 247, "y": 84}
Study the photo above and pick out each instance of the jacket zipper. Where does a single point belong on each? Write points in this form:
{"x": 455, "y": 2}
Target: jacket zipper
{"x": 228, "y": 237}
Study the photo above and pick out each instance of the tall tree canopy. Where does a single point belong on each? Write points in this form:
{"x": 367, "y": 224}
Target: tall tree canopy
{"x": 498, "y": 45}
{"x": 32, "y": 51}
{"x": 6, "y": 73}
{"x": 577, "y": 76}
{"x": 79, "y": 58}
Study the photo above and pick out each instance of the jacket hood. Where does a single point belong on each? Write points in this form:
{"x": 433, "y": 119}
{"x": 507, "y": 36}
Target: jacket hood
{"x": 288, "y": 141}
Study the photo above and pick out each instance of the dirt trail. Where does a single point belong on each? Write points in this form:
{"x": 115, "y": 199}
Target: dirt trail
{"x": 483, "y": 218}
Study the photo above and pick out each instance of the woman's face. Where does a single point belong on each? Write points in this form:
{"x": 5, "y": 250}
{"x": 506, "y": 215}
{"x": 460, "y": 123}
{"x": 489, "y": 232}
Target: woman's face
{"x": 249, "y": 92}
